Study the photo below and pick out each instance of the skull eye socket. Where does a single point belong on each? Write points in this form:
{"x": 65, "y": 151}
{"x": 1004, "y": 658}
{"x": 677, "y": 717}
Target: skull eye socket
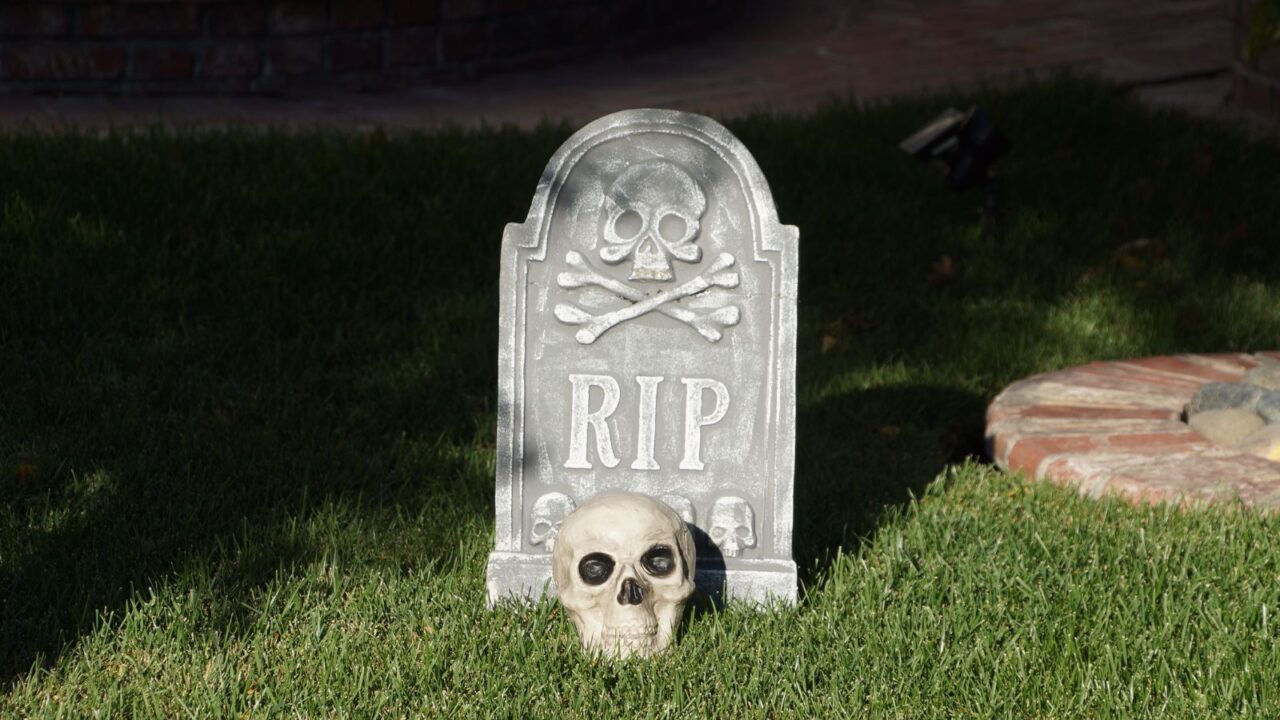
{"x": 628, "y": 225}
{"x": 743, "y": 531}
{"x": 595, "y": 568}
{"x": 659, "y": 561}
{"x": 673, "y": 228}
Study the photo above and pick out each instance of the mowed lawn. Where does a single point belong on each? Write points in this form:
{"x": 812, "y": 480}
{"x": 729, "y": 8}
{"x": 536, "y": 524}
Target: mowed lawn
{"x": 247, "y": 408}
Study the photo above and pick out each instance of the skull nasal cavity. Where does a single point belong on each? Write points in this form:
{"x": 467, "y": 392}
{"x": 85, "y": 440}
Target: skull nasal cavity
{"x": 630, "y": 593}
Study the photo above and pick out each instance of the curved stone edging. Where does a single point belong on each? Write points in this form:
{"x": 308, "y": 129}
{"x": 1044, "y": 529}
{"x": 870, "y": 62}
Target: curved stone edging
{"x": 1115, "y": 428}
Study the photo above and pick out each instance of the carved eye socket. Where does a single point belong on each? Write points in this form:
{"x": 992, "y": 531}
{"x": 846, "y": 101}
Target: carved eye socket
{"x": 672, "y": 228}
{"x": 659, "y": 561}
{"x": 628, "y": 225}
{"x": 743, "y": 531}
{"x": 595, "y": 568}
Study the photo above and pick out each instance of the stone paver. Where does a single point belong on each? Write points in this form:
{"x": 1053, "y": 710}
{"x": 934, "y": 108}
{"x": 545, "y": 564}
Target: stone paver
{"x": 1115, "y": 428}
{"x": 784, "y": 56}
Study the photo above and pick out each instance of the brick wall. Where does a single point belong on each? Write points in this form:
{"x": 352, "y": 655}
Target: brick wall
{"x": 1257, "y": 80}
{"x": 178, "y": 46}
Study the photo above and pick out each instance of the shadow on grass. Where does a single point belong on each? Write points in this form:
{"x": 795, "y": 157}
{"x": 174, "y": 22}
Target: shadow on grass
{"x": 226, "y": 532}
{"x": 865, "y": 452}
{"x": 222, "y": 476}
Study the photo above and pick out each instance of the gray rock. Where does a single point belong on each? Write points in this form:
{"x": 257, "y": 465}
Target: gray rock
{"x": 1266, "y": 375}
{"x": 647, "y": 344}
{"x": 1269, "y": 406}
{"x": 1221, "y": 395}
{"x": 1226, "y": 426}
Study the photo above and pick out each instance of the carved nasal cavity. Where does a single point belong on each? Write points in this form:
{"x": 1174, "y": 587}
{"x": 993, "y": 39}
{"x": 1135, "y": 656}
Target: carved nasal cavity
{"x": 630, "y": 593}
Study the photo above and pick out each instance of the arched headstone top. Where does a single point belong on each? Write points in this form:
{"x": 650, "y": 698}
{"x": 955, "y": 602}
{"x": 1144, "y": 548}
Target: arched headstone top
{"x": 698, "y": 129}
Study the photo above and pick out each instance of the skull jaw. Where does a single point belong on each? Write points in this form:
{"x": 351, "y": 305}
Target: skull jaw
{"x": 732, "y": 544}
{"x": 624, "y": 642}
{"x": 628, "y": 632}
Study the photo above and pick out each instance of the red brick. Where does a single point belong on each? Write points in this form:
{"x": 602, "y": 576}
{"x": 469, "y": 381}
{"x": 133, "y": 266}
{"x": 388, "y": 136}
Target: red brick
{"x": 162, "y": 64}
{"x": 412, "y": 47}
{"x": 238, "y": 19}
{"x": 1139, "y": 376}
{"x": 1063, "y": 471}
{"x": 358, "y": 14}
{"x": 41, "y": 19}
{"x": 1084, "y": 412}
{"x": 299, "y": 18}
{"x": 1201, "y": 478}
{"x": 1237, "y": 360}
{"x": 414, "y": 12}
{"x": 62, "y": 63}
{"x": 231, "y": 61}
{"x": 1168, "y": 462}
{"x": 463, "y": 41}
{"x": 1150, "y": 384}
{"x": 347, "y": 54}
{"x": 1026, "y": 454}
{"x": 463, "y": 9}
{"x": 296, "y": 57}
{"x": 138, "y": 20}
{"x": 1169, "y": 442}
{"x": 1167, "y": 364}
{"x": 1108, "y": 382}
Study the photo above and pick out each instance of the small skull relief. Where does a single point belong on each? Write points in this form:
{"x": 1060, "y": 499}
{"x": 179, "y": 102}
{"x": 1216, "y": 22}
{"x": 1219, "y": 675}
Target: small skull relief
{"x": 548, "y": 513}
{"x": 623, "y": 565}
{"x": 733, "y": 525}
{"x": 683, "y": 507}
{"x": 652, "y": 214}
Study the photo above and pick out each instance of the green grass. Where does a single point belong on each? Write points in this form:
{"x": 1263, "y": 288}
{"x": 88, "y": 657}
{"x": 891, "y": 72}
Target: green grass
{"x": 247, "y": 391}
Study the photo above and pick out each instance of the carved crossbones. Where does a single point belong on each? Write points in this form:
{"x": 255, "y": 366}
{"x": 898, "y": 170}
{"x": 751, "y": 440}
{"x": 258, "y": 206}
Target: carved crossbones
{"x": 708, "y": 325}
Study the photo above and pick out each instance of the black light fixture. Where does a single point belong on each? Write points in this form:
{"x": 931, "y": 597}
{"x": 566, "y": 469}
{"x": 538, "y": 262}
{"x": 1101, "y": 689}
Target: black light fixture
{"x": 969, "y": 144}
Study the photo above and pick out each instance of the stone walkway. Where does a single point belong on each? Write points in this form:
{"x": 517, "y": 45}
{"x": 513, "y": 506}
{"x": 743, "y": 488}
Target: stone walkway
{"x": 786, "y": 57}
{"x": 1115, "y": 428}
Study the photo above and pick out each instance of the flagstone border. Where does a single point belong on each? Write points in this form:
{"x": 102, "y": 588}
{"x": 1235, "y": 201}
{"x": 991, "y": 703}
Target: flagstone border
{"x": 1115, "y": 428}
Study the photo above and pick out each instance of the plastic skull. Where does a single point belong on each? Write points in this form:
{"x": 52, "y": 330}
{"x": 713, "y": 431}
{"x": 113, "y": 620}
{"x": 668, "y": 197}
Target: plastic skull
{"x": 623, "y": 565}
{"x": 652, "y": 214}
{"x": 733, "y": 525}
{"x": 544, "y": 520}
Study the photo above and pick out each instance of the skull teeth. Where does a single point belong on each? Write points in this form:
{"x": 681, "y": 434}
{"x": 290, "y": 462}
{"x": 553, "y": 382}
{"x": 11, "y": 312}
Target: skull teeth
{"x": 625, "y": 632}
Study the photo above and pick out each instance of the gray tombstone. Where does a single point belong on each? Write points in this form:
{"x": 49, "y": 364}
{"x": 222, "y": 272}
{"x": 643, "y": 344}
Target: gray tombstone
{"x": 647, "y": 344}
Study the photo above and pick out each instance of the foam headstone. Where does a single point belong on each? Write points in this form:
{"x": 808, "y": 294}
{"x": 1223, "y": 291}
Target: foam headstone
{"x": 647, "y": 344}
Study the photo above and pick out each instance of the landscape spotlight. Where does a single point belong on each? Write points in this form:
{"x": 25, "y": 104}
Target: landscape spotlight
{"x": 967, "y": 142}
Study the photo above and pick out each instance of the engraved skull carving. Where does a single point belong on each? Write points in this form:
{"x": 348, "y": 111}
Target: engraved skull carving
{"x": 548, "y": 512}
{"x": 652, "y": 214}
{"x": 683, "y": 507}
{"x": 733, "y": 525}
{"x": 623, "y": 564}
